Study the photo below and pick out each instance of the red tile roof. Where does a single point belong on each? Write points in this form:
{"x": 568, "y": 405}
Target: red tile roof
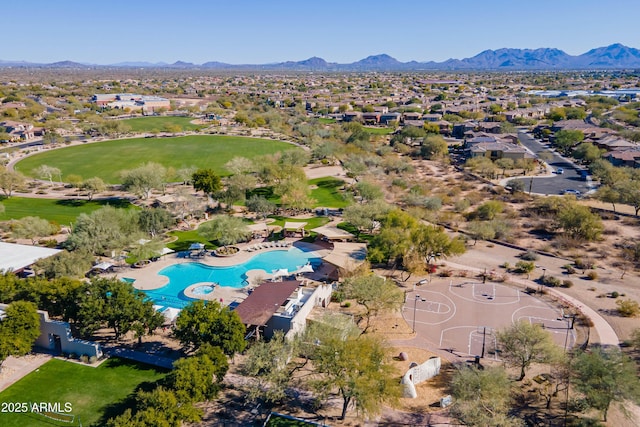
{"x": 264, "y": 301}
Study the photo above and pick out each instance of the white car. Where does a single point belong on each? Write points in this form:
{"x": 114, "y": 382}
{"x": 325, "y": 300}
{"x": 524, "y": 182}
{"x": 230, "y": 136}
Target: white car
{"x": 559, "y": 171}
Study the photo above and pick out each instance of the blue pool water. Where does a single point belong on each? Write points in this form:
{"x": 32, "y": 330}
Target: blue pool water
{"x": 182, "y": 276}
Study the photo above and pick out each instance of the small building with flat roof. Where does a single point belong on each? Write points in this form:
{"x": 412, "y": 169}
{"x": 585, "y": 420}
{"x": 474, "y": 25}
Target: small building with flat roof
{"x": 15, "y": 257}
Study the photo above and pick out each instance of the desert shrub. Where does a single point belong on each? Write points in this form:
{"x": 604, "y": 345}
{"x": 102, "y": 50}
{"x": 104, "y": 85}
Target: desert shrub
{"x": 461, "y": 205}
{"x": 346, "y": 304}
{"x": 584, "y": 264}
{"x": 524, "y": 267}
{"x": 615, "y": 294}
{"x": 337, "y": 296}
{"x": 551, "y": 281}
{"x": 567, "y": 283}
{"x": 592, "y": 275}
{"x": 569, "y": 269}
{"x": 445, "y": 273}
{"x": 505, "y": 265}
{"x": 529, "y": 255}
{"x": 84, "y": 358}
{"x": 628, "y": 307}
{"x": 93, "y": 359}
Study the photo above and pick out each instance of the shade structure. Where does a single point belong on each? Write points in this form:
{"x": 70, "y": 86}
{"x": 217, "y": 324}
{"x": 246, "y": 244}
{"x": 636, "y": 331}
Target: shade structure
{"x": 307, "y": 268}
{"x": 196, "y": 246}
{"x": 170, "y": 314}
{"x": 280, "y": 272}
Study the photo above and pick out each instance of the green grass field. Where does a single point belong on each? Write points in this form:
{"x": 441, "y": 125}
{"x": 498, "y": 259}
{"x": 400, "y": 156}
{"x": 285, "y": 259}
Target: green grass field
{"x": 93, "y": 393}
{"x": 326, "y": 120}
{"x": 161, "y": 124}
{"x": 106, "y": 159}
{"x": 328, "y": 194}
{"x": 59, "y": 211}
{"x": 379, "y": 131}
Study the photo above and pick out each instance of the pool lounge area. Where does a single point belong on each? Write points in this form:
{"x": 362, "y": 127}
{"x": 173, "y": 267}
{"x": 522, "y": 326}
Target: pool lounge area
{"x": 175, "y": 282}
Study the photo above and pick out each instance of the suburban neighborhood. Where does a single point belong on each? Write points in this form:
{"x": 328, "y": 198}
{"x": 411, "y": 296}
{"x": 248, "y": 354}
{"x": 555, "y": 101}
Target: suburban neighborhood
{"x": 373, "y": 243}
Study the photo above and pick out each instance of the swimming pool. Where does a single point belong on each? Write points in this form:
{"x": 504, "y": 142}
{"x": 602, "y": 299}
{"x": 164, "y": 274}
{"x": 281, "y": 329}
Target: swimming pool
{"x": 182, "y": 276}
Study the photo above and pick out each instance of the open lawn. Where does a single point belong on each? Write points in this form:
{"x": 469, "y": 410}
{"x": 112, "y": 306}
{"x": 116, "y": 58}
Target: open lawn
{"x": 59, "y": 211}
{"x": 161, "y": 124}
{"x": 93, "y": 393}
{"x": 312, "y": 222}
{"x": 106, "y": 159}
{"x": 326, "y": 120}
{"x": 328, "y": 194}
{"x": 379, "y": 131}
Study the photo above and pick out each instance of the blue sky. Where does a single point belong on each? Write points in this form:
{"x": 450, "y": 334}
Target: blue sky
{"x": 263, "y": 31}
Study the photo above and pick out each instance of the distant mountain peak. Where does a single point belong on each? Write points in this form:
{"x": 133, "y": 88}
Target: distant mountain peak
{"x": 614, "y": 56}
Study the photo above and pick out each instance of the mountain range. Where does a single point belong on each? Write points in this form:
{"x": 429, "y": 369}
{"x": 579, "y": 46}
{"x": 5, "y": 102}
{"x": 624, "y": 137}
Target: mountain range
{"x": 615, "y": 56}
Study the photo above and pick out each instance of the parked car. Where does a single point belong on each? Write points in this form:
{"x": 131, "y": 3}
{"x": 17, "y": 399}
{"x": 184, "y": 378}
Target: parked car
{"x": 559, "y": 171}
{"x": 571, "y": 191}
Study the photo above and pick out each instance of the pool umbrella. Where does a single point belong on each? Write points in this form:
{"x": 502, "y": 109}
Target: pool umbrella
{"x": 307, "y": 268}
{"x": 280, "y": 272}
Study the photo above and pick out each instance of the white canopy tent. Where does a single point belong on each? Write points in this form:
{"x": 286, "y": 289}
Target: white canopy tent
{"x": 15, "y": 257}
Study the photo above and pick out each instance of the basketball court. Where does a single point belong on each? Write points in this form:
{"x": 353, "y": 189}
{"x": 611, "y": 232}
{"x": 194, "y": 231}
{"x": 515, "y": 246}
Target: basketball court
{"x": 462, "y": 315}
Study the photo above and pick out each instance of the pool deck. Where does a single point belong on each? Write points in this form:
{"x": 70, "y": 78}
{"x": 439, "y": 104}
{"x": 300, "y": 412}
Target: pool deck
{"x": 147, "y": 278}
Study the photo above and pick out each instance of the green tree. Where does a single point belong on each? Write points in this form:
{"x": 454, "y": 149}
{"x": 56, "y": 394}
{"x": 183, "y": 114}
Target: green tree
{"x": 155, "y": 220}
{"x": 104, "y": 230}
{"x": 19, "y": 329}
{"x": 91, "y": 186}
{"x": 10, "y": 180}
{"x": 225, "y": 229}
{"x": 65, "y": 264}
{"x": 504, "y": 164}
{"x": 144, "y": 179}
{"x": 481, "y": 230}
{"x": 369, "y": 191}
{"x": 33, "y": 228}
{"x": 207, "y": 181}
{"x": 434, "y": 146}
{"x": 523, "y": 344}
{"x": 267, "y": 364}
{"x": 365, "y": 216}
{"x": 47, "y": 172}
{"x": 483, "y": 397}
{"x": 260, "y": 205}
{"x": 375, "y": 293}
{"x": 200, "y": 323}
{"x": 604, "y": 376}
{"x": 629, "y": 191}
{"x": 578, "y": 221}
{"x": 608, "y": 194}
{"x": 198, "y": 378}
{"x": 566, "y": 139}
{"x": 359, "y": 370}
{"x": 587, "y": 152}
{"x": 489, "y": 210}
{"x": 117, "y": 305}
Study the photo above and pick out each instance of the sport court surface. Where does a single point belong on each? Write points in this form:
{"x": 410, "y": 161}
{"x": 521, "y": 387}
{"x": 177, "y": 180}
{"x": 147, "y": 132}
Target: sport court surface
{"x": 457, "y": 315}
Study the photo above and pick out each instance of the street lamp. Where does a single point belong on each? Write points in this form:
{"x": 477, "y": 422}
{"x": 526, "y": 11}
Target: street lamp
{"x": 415, "y": 304}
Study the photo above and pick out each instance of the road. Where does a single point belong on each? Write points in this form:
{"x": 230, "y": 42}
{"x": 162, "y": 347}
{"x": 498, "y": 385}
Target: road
{"x": 556, "y": 183}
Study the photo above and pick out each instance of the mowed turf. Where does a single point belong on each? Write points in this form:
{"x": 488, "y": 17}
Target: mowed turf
{"x": 59, "y": 211}
{"x": 328, "y": 193}
{"x": 107, "y": 159}
{"x": 92, "y": 392}
{"x": 160, "y": 124}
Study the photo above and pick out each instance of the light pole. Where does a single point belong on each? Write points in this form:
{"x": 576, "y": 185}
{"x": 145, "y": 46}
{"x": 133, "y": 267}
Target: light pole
{"x": 415, "y": 304}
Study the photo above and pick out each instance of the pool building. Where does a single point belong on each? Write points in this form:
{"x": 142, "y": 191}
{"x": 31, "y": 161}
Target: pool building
{"x": 281, "y": 306}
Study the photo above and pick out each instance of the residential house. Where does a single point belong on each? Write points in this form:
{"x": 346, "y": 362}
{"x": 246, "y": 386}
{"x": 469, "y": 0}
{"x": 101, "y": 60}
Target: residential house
{"x": 371, "y": 118}
{"x": 386, "y": 118}
{"x": 629, "y": 157}
{"x": 409, "y": 116}
{"x": 19, "y": 131}
{"x": 352, "y": 116}
{"x": 432, "y": 117}
{"x": 494, "y": 147}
